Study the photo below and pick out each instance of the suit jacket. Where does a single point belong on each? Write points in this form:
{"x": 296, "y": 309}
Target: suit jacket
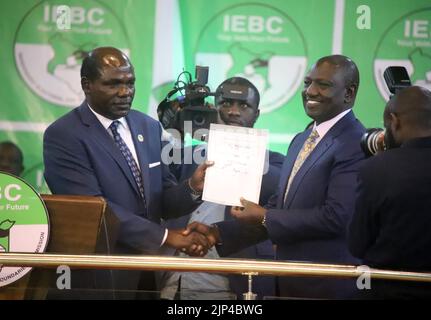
{"x": 392, "y": 221}
{"x": 82, "y": 158}
{"x": 311, "y": 224}
{"x": 263, "y": 286}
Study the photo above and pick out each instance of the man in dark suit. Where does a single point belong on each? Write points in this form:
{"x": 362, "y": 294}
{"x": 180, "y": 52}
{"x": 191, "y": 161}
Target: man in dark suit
{"x": 307, "y": 217}
{"x": 102, "y": 148}
{"x": 390, "y": 228}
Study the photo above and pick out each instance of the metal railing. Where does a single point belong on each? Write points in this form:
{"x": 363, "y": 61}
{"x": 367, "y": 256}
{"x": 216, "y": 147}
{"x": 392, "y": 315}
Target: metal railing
{"x": 234, "y": 266}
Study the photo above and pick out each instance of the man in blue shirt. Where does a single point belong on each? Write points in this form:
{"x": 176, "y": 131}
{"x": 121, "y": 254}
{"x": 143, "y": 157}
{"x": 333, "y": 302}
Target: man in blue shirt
{"x": 237, "y": 101}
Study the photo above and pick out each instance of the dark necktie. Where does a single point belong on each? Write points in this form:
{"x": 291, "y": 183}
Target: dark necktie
{"x": 128, "y": 156}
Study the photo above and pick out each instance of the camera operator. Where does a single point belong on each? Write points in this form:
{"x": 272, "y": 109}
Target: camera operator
{"x": 373, "y": 141}
{"x": 392, "y": 221}
{"x": 237, "y": 101}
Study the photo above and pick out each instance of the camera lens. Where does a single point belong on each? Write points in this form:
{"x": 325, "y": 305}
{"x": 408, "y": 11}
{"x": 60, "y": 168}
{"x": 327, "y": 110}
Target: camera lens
{"x": 373, "y": 141}
{"x": 198, "y": 120}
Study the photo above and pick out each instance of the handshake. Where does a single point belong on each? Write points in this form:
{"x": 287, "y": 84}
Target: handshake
{"x": 195, "y": 240}
{"x": 198, "y": 238}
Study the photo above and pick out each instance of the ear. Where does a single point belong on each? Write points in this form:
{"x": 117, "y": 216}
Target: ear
{"x": 395, "y": 122}
{"x": 256, "y": 116}
{"x": 85, "y": 85}
{"x": 350, "y": 94}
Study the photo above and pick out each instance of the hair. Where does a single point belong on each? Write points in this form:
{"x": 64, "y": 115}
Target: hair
{"x": 10, "y": 144}
{"x": 90, "y": 68}
{"x": 254, "y": 94}
{"x": 351, "y": 72}
{"x": 93, "y": 62}
{"x": 414, "y": 103}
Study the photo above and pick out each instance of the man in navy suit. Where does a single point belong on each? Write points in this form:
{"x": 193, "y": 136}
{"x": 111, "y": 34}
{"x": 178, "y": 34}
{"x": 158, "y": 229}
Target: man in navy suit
{"x": 390, "y": 228}
{"x": 307, "y": 217}
{"x": 237, "y": 101}
{"x": 103, "y": 148}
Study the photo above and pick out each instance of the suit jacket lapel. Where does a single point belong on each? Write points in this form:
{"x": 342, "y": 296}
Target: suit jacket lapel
{"x": 142, "y": 151}
{"x": 288, "y": 164}
{"x": 102, "y": 137}
{"x": 316, "y": 154}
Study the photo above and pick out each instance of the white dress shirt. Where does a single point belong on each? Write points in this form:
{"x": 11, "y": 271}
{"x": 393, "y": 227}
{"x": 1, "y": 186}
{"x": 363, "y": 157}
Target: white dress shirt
{"x": 123, "y": 130}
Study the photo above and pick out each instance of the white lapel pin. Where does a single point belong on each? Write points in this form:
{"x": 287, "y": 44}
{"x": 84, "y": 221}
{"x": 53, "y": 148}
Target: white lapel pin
{"x": 140, "y": 138}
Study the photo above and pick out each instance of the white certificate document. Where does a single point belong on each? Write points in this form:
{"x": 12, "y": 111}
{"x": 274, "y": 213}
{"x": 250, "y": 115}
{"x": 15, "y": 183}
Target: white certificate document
{"x": 239, "y": 161}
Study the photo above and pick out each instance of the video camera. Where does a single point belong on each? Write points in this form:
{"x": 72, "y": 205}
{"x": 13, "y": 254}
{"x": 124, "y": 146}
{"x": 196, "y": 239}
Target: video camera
{"x": 373, "y": 140}
{"x": 190, "y": 104}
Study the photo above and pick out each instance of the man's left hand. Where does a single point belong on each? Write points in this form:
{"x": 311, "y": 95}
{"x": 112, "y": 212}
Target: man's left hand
{"x": 250, "y": 213}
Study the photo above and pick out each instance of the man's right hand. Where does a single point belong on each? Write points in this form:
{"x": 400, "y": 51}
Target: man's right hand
{"x": 210, "y": 232}
{"x": 192, "y": 243}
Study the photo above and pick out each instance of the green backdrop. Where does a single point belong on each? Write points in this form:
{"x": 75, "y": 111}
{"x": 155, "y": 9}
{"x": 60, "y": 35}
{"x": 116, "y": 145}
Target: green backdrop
{"x": 272, "y": 43}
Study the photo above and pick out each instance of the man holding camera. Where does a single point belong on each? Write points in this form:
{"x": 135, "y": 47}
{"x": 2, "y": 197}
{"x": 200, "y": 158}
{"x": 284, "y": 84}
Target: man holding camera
{"x": 103, "y": 148}
{"x": 237, "y": 101}
{"x": 390, "y": 228}
{"x": 308, "y": 216}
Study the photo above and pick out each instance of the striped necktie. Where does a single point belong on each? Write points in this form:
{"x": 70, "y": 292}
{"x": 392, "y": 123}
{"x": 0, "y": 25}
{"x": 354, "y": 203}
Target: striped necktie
{"x": 306, "y": 149}
{"x": 128, "y": 156}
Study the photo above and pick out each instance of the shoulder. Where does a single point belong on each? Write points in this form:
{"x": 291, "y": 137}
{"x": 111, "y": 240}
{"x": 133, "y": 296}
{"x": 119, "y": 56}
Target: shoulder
{"x": 140, "y": 116}
{"x": 66, "y": 123}
{"x": 352, "y": 126}
{"x": 347, "y": 145}
{"x": 358, "y": 127}
{"x": 381, "y": 160}
{"x": 378, "y": 166}
{"x": 349, "y": 133}
{"x": 142, "y": 120}
{"x": 276, "y": 157}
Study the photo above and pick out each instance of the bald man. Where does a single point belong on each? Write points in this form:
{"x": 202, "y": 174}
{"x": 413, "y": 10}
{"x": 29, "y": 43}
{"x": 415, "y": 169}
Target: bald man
{"x": 103, "y": 148}
{"x": 391, "y": 225}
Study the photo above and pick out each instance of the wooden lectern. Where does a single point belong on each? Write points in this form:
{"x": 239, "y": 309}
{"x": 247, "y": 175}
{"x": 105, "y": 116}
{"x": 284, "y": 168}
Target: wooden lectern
{"x": 78, "y": 225}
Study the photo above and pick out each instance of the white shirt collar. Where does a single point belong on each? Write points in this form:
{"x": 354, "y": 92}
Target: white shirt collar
{"x": 325, "y": 126}
{"x": 107, "y": 122}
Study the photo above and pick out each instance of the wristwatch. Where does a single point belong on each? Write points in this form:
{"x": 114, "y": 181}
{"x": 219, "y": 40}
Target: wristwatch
{"x": 264, "y": 220}
{"x": 191, "y": 190}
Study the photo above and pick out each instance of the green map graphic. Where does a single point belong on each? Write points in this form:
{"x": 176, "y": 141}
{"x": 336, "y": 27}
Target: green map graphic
{"x": 243, "y": 57}
{"x": 422, "y": 65}
{"x": 64, "y": 48}
{"x": 5, "y": 226}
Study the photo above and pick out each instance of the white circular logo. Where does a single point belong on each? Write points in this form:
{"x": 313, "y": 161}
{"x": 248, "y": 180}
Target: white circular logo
{"x": 406, "y": 43}
{"x": 24, "y": 223}
{"x": 257, "y": 42}
{"x": 52, "y": 40}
